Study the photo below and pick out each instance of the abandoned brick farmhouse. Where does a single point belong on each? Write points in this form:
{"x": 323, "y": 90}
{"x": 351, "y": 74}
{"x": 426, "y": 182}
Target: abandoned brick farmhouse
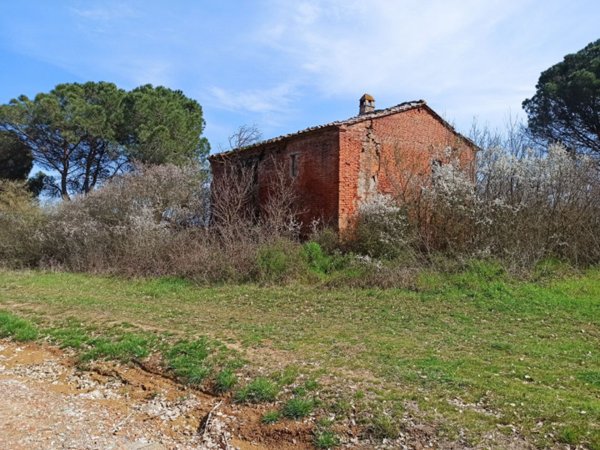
{"x": 336, "y": 166}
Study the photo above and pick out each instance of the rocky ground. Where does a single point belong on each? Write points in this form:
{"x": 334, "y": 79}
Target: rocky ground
{"x": 47, "y": 403}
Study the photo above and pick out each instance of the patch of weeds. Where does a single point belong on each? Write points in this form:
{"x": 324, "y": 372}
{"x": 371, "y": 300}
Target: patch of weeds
{"x": 317, "y": 260}
{"x": 159, "y": 287}
{"x": 592, "y": 378}
{"x": 307, "y": 386}
{"x": 311, "y": 385}
{"x": 341, "y": 407}
{"x": 287, "y": 376}
{"x": 279, "y": 260}
{"x": 225, "y": 380}
{"x": 501, "y": 346}
{"x": 297, "y": 408}
{"x": 123, "y": 348}
{"x": 70, "y": 336}
{"x": 324, "y": 423}
{"x": 270, "y": 417}
{"x": 187, "y": 359}
{"x": 258, "y": 391}
{"x": 299, "y": 391}
{"x": 18, "y": 329}
{"x": 433, "y": 369}
{"x": 383, "y": 426}
{"x": 326, "y": 439}
{"x": 551, "y": 269}
{"x": 570, "y": 435}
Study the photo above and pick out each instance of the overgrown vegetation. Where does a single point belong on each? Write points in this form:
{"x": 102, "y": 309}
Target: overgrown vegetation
{"x": 524, "y": 207}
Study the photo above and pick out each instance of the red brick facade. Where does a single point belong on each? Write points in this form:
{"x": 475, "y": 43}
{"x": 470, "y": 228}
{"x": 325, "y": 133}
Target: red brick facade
{"x": 338, "y": 165}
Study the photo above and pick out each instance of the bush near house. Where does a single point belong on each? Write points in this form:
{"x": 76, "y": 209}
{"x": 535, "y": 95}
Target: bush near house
{"x": 153, "y": 222}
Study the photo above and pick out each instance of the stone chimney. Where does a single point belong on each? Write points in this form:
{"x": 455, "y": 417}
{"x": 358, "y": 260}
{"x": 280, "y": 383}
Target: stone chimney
{"x": 367, "y": 104}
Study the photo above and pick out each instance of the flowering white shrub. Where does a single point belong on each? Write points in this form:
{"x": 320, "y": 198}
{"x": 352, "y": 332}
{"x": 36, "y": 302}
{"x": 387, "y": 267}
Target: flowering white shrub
{"x": 537, "y": 204}
{"x": 382, "y": 227}
{"x": 521, "y": 207}
{"x": 129, "y": 218}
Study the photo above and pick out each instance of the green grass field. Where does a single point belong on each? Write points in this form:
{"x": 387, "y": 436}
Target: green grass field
{"x": 476, "y": 355}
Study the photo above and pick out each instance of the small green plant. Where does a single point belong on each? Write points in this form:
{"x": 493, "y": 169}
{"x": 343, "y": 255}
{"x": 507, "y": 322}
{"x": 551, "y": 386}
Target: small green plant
{"x": 17, "y": 328}
{"x": 287, "y": 376}
{"x": 70, "y": 336}
{"x": 384, "y": 426}
{"x": 225, "y": 380}
{"x": 326, "y": 439}
{"x": 297, "y": 408}
{"x": 317, "y": 259}
{"x": 592, "y": 378}
{"x": 123, "y": 348}
{"x": 187, "y": 359}
{"x": 258, "y": 391}
{"x": 311, "y": 385}
{"x": 270, "y": 417}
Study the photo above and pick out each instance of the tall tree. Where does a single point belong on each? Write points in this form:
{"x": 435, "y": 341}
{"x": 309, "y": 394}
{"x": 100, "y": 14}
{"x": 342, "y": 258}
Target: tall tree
{"x": 86, "y": 133}
{"x": 71, "y": 131}
{"x": 16, "y": 160}
{"x": 566, "y": 105}
{"x": 162, "y": 125}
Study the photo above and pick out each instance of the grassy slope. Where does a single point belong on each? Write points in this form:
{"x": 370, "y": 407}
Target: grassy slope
{"x": 473, "y": 351}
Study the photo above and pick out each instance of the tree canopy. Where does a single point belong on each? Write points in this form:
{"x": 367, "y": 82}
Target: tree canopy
{"x": 16, "y": 160}
{"x": 566, "y": 105}
{"x": 163, "y": 126}
{"x": 86, "y": 133}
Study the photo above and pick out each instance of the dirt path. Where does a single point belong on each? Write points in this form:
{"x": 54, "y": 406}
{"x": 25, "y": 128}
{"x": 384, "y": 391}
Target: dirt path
{"x": 47, "y": 403}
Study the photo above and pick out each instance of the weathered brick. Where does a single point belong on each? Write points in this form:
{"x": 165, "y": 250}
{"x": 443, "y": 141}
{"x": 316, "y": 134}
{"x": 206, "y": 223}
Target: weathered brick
{"x": 337, "y": 166}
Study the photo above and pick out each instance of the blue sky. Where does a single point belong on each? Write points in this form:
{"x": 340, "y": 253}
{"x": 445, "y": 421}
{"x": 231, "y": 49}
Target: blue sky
{"x": 288, "y": 64}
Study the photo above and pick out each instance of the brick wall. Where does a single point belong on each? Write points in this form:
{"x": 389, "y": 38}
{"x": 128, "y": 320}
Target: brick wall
{"x": 337, "y": 167}
{"x": 316, "y": 177}
{"x": 387, "y": 154}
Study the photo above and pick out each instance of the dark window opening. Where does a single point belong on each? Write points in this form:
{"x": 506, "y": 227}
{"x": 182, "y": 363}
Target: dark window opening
{"x": 294, "y": 165}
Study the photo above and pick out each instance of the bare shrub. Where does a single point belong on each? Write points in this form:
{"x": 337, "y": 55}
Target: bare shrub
{"x": 155, "y": 221}
{"x": 20, "y": 222}
{"x": 524, "y": 205}
{"x": 240, "y": 211}
{"x": 279, "y": 213}
{"x": 123, "y": 226}
{"x": 539, "y": 205}
{"x": 233, "y": 214}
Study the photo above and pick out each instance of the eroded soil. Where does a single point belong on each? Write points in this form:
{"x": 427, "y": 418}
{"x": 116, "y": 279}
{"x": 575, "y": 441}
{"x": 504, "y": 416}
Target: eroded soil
{"x": 48, "y": 403}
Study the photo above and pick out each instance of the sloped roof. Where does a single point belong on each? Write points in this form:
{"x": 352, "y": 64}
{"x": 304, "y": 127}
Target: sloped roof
{"x": 352, "y": 120}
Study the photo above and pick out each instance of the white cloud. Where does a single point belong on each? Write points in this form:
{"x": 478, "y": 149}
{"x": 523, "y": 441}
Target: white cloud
{"x": 276, "y": 99}
{"x": 396, "y": 47}
{"x": 106, "y": 12}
